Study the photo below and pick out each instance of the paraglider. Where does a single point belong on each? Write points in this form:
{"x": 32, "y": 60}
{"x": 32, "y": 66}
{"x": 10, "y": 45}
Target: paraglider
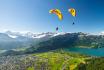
{"x": 73, "y": 13}
{"x": 57, "y": 12}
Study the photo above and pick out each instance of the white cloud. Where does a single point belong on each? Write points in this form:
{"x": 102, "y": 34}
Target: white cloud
{"x": 101, "y": 33}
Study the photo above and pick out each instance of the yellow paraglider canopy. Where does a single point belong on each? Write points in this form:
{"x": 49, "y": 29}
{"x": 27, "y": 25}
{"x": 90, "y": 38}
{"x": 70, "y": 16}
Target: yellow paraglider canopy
{"x": 72, "y": 12}
{"x": 57, "y": 12}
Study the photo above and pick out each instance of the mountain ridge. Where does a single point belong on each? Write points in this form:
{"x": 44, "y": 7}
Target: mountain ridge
{"x": 28, "y": 39}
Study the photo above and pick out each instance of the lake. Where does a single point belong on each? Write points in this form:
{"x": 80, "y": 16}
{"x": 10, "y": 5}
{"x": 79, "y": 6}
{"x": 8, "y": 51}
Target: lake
{"x": 87, "y": 51}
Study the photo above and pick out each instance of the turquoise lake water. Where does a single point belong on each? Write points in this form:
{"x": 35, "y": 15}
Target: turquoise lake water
{"x": 86, "y": 51}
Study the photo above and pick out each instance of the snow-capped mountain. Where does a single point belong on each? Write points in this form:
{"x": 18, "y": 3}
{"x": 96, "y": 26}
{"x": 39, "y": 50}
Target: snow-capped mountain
{"x": 32, "y": 35}
{"x": 11, "y": 40}
{"x": 41, "y": 42}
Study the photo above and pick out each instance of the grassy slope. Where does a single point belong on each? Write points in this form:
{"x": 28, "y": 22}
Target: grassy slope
{"x": 58, "y": 61}
{"x": 53, "y": 60}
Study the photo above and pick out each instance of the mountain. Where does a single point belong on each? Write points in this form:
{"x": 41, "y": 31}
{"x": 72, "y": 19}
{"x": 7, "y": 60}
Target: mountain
{"x": 46, "y": 51}
{"x": 12, "y": 40}
{"x": 49, "y": 41}
{"x": 68, "y": 40}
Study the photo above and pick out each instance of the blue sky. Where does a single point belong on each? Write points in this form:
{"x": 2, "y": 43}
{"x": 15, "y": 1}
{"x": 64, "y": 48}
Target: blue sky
{"x": 33, "y": 15}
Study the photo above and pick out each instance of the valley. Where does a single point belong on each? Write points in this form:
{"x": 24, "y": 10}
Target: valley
{"x": 52, "y": 51}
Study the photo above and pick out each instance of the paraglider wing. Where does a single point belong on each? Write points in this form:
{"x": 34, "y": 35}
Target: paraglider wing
{"x": 57, "y": 12}
{"x": 72, "y": 12}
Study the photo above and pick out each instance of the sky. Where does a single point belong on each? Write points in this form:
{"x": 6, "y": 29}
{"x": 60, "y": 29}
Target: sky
{"x": 34, "y": 16}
